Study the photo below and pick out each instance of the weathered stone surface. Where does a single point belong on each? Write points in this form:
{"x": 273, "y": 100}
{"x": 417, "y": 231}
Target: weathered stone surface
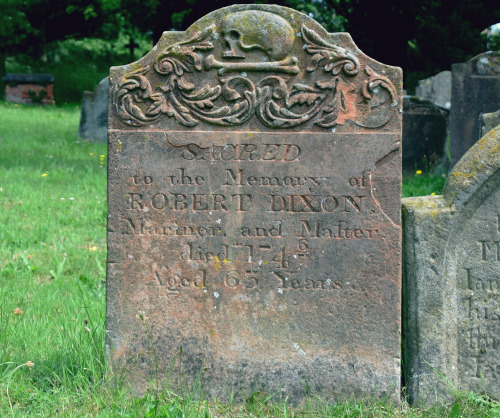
{"x": 424, "y": 133}
{"x": 489, "y": 121}
{"x": 94, "y": 113}
{"x": 451, "y": 280}
{"x": 437, "y": 89}
{"x": 254, "y": 210}
{"x": 29, "y": 88}
{"x": 475, "y": 90}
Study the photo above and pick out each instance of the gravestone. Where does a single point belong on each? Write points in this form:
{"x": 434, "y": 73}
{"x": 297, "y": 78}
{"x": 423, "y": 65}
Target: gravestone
{"x": 94, "y": 113}
{"x": 254, "y": 230}
{"x": 451, "y": 282}
{"x": 437, "y": 89}
{"x": 489, "y": 121}
{"x": 475, "y": 90}
{"x": 29, "y": 88}
{"x": 424, "y": 134}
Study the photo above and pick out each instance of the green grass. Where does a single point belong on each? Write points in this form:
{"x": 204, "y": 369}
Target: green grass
{"x": 52, "y": 288}
{"x": 423, "y": 183}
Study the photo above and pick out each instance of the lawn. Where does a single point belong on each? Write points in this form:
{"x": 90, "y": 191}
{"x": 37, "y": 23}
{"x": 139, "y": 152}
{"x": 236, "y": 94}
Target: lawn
{"x": 52, "y": 288}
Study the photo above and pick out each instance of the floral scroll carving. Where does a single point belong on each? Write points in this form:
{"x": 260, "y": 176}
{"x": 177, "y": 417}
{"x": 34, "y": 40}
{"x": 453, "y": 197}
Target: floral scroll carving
{"x": 333, "y": 89}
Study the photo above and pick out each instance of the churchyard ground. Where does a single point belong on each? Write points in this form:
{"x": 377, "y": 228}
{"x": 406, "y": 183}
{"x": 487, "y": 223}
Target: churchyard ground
{"x": 52, "y": 289}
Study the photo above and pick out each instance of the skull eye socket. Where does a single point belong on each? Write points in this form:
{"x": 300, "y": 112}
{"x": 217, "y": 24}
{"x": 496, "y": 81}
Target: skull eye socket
{"x": 230, "y": 40}
{"x": 234, "y": 35}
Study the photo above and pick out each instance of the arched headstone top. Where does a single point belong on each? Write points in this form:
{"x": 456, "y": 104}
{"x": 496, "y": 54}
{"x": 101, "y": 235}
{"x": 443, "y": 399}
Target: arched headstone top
{"x": 479, "y": 164}
{"x": 256, "y": 67}
{"x": 475, "y": 90}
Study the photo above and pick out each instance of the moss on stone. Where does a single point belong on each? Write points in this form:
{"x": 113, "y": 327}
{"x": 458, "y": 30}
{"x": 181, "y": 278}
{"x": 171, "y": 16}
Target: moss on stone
{"x": 482, "y": 160}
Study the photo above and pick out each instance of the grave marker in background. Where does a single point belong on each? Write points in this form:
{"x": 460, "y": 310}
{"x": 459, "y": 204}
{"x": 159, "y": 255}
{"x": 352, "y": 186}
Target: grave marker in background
{"x": 424, "y": 134}
{"x": 254, "y": 210}
{"x": 437, "y": 89}
{"x": 452, "y": 280}
{"x": 475, "y": 90}
{"x": 489, "y": 121}
{"x": 29, "y": 88}
{"x": 94, "y": 114}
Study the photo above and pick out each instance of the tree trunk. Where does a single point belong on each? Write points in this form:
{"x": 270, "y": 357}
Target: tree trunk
{"x": 3, "y": 72}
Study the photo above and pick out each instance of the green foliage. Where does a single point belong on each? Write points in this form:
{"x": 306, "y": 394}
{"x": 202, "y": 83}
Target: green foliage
{"x": 29, "y": 26}
{"x": 494, "y": 42}
{"x": 491, "y": 36}
{"x": 321, "y": 11}
{"x": 37, "y": 97}
{"x": 79, "y": 65}
{"x": 31, "y": 29}
{"x": 422, "y": 36}
{"x": 447, "y": 33}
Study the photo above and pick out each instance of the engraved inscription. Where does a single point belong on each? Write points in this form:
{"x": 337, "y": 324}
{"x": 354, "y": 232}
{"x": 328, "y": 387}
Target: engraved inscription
{"x": 195, "y": 202}
{"x": 243, "y": 152}
{"x": 481, "y": 303}
{"x": 151, "y": 202}
{"x": 489, "y": 284}
{"x": 490, "y": 250}
{"x": 145, "y": 226}
{"x": 257, "y": 232}
{"x": 239, "y": 179}
{"x": 194, "y": 252}
{"x": 314, "y": 203}
{"x": 142, "y": 179}
{"x": 340, "y": 230}
{"x": 234, "y": 279}
{"x": 177, "y": 282}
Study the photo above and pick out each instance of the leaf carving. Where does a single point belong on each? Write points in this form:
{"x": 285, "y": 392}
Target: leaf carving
{"x": 313, "y": 40}
{"x": 303, "y": 94}
{"x": 376, "y": 110}
{"x": 181, "y": 57}
{"x": 332, "y": 58}
{"x": 278, "y": 101}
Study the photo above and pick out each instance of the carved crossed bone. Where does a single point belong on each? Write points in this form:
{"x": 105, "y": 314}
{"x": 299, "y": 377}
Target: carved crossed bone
{"x": 284, "y": 66}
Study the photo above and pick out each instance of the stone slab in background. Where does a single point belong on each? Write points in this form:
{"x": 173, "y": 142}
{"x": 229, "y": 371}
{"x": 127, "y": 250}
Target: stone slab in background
{"x": 29, "y": 88}
{"x": 94, "y": 113}
{"x": 437, "y": 89}
{"x": 254, "y": 187}
{"x": 452, "y": 280}
{"x": 489, "y": 121}
{"x": 475, "y": 90}
{"x": 424, "y": 134}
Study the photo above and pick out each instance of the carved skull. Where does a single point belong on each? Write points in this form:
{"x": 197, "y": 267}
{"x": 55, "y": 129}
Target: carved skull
{"x": 253, "y": 29}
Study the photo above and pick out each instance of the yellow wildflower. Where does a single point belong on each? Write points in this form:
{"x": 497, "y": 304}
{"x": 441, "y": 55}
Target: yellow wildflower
{"x": 418, "y": 172}
{"x": 102, "y": 157}
{"x": 91, "y": 154}
{"x": 44, "y": 175}
{"x": 433, "y": 194}
{"x": 94, "y": 248}
{"x": 101, "y": 163}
